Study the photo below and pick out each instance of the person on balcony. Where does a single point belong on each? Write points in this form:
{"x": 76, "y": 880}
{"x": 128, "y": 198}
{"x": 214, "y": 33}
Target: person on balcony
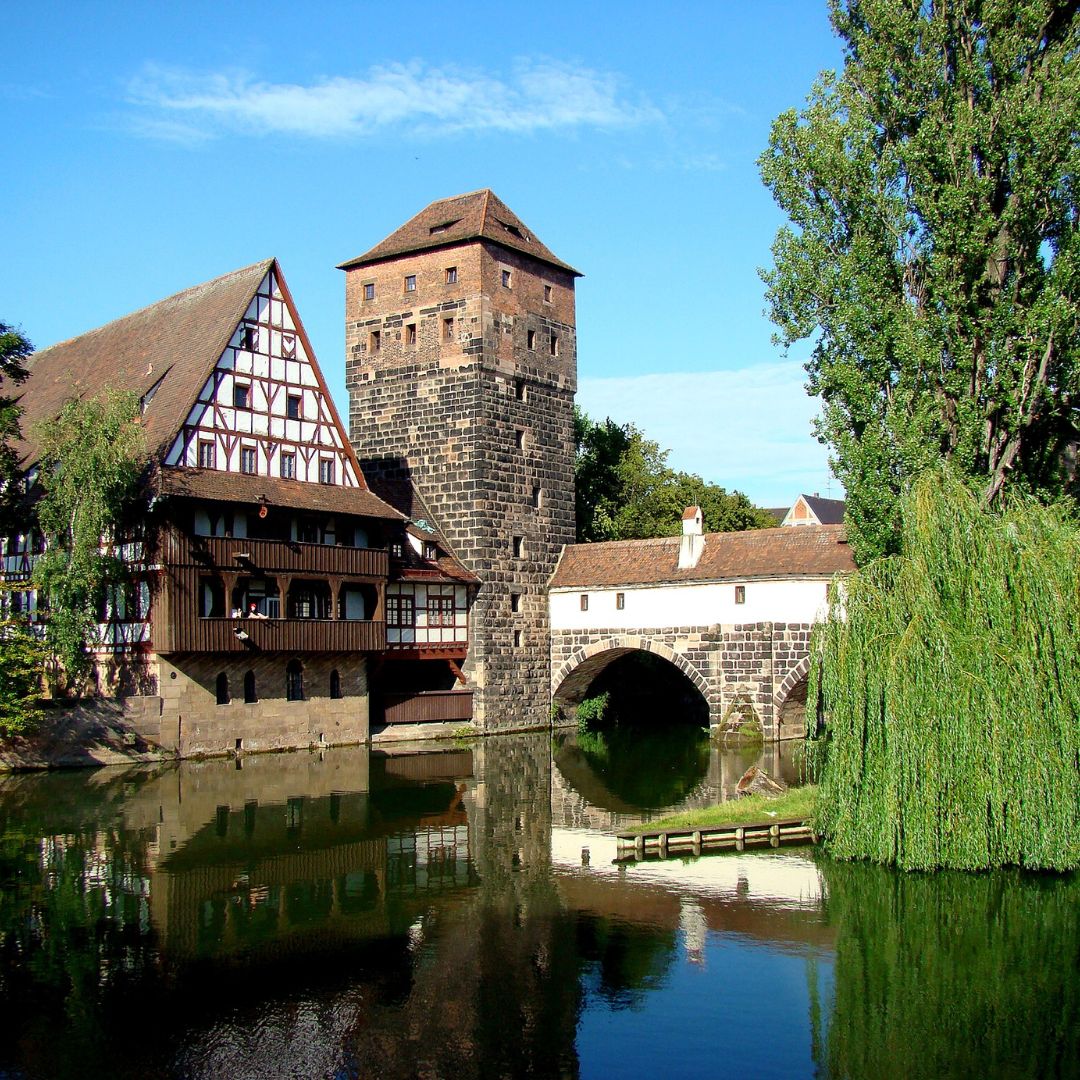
{"x": 254, "y": 612}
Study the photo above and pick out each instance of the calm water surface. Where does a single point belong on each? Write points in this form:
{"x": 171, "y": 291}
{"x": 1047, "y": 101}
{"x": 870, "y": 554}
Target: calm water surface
{"x": 457, "y": 913}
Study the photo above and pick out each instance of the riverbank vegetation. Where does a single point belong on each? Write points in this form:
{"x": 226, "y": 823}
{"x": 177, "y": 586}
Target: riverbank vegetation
{"x": 949, "y": 680}
{"x": 796, "y": 802}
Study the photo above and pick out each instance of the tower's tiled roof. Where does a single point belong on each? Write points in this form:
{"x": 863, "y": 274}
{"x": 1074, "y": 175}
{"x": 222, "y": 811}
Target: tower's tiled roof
{"x": 811, "y": 551}
{"x": 173, "y": 345}
{"x": 477, "y": 215}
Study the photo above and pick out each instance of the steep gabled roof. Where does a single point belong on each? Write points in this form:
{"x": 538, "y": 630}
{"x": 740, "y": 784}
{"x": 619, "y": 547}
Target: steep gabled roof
{"x": 476, "y": 215}
{"x": 170, "y": 347}
{"x": 812, "y": 551}
{"x": 827, "y": 511}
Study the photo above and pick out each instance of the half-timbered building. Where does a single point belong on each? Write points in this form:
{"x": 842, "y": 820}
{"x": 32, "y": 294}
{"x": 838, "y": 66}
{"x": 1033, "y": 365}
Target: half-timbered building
{"x": 274, "y": 592}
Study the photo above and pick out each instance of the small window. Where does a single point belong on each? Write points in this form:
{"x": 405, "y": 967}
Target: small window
{"x": 326, "y": 470}
{"x": 740, "y": 594}
{"x": 206, "y": 454}
{"x": 537, "y": 496}
{"x": 247, "y": 460}
{"x": 400, "y": 611}
{"x": 397, "y": 549}
{"x": 547, "y": 294}
{"x": 241, "y": 395}
{"x": 410, "y": 283}
{"x": 620, "y": 601}
{"x": 223, "y": 689}
{"x": 584, "y": 601}
{"x": 554, "y": 345}
{"x": 294, "y": 681}
{"x": 410, "y": 333}
{"x": 519, "y": 438}
{"x": 375, "y": 341}
{"x": 335, "y": 684}
{"x": 530, "y": 338}
{"x": 519, "y": 389}
{"x": 515, "y": 601}
{"x": 517, "y": 639}
{"x": 431, "y": 552}
{"x": 451, "y": 275}
{"x": 292, "y": 406}
{"x": 250, "y": 697}
{"x": 288, "y": 345}
{"x": 506, "y": 279}
{"x": 448, "y": 329}
{"x": 369, "y": 290}
{"x": 288, "y": 465}
{"x": 518, "y": 546}
{"x": 249, "y": 338}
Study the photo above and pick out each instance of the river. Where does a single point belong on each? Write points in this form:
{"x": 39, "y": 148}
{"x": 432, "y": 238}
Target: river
{"x": 456, "y": 912}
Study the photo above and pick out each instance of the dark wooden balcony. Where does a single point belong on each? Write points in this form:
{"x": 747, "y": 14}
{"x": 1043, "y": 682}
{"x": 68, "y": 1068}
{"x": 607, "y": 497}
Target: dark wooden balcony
{"x": 275, "y": 556}
{"x": 273, "y": 635}
{"x": 428, "y": 706}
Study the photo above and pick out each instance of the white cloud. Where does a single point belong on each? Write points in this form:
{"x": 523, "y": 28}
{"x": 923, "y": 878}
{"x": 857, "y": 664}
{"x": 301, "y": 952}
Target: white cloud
{"x": 538, "y": 95}
{"x": 747, "y": 429}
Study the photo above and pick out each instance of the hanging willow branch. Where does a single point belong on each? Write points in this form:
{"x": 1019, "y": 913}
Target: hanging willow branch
{"x": 950, "y": 678}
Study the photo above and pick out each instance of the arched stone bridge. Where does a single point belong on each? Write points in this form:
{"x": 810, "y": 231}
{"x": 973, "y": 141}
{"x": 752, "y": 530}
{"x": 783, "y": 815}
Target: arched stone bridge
{"x": 752, "y": 672}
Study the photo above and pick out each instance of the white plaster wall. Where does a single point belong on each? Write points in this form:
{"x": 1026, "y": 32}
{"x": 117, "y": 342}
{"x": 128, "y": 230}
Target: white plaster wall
{"x": 790, "y": 600}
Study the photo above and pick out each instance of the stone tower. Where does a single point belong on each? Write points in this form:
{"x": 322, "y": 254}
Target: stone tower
{"x": 461, "y": 367}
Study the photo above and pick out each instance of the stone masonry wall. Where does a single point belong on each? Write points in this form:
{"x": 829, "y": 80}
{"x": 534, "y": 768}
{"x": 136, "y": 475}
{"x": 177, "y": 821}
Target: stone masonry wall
{"x": 479, "y": 414}
{"x": 744, "y": 672}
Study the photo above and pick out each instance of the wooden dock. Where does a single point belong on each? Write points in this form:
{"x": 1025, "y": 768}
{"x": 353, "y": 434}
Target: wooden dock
{"x": 634, "y": 847}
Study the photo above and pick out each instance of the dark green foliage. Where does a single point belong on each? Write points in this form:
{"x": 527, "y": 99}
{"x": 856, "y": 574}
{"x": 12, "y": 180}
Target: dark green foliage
{"x": 91, "y": 457}
{"x": 625, "y": 490}
{"x": 591, "y": 711}
{"x": 22, "y": 663}
{"x": 951, "y": 975}
{"x": 14, "y": 349}
{"x": 933, "y": 254}
{"x": 949, "y": 676}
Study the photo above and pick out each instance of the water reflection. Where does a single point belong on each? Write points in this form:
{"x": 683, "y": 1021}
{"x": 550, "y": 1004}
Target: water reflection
{"x": 356, "y": 913}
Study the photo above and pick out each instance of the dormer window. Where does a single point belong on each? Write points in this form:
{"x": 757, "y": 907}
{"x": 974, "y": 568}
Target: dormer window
{"x": 431, "y": 552}
{"x": 513, "y": 230}
{"x": 443, "y": 226}
{"x": 241, "y": 395}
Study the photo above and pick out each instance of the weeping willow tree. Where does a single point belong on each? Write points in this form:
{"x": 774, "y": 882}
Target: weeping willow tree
{"x": 949, "y": 677}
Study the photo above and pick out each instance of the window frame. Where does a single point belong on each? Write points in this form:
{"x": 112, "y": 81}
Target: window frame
{"x": 298, "y": 413}
{"x": 740, "y": 594}
{"x": 410, "y": 283}
{"x": 211, "y": 446}
{"x": 327, "y": 471}
{"x": 369, "y": 290}
{"x": 241, "y": 395}
{"x": 249, "y": 454}
{"x": 290, "y": 457}
{"x": 401, "y": 611}
{"x": 451, "y": 275}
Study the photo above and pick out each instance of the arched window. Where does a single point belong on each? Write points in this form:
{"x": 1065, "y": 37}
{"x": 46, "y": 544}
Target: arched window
{"x": 335, "y": 684}
{"x": 222, "y": 688}
{"x": 249, "y": 688}
{"x": 294, "y": 681}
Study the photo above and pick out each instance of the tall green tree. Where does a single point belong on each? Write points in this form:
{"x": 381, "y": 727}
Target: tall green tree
{"x": 933, "y": 253}
{"x": 625, "y": 489}
{"x": 91, "y": 457}
{"x": 15, "y": 347}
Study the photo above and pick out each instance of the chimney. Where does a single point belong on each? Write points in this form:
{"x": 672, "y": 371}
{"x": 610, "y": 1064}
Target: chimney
{"x": 693, "y": 543}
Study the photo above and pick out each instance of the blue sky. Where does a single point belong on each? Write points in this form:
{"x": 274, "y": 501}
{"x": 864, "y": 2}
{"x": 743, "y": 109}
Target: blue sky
{"x": 150, "y": 147}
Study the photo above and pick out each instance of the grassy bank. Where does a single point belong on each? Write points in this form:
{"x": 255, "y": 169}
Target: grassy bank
{"x": 796, "y": 803}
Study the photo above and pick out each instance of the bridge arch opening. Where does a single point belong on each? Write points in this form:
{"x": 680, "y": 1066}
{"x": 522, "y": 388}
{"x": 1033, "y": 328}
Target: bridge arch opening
{"x": 645, "y": 686}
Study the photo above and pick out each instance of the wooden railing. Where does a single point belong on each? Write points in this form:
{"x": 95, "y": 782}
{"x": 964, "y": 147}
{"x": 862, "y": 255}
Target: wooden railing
{"x": 428, "y": 706}
{"x": 268, "y": 556}
{"x": 278, "y": 635}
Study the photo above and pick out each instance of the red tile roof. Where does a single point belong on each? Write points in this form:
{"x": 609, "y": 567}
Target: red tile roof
{"x": 476, "y": 215}
{"x": 810, "y": 551}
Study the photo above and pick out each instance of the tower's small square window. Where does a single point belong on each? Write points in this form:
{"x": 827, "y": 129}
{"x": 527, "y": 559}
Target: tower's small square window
{"x": 369, "y": 290}
{"x": 519, "y": 438}
{"x": 518, "y": 546}
{"x": 410, "y": 333}
{"x": 375, "y": 341}
{"x": 515, "y": 601}
{"x": 554, "y": 346}
{"x": 584, "y": 601}
{"x": 451, "y": 275}
{"x": 288, "y": 465}
{"x": 292, "y": 406}
{"x": 448, "y": 329}
{"x": 517, "y": 639}
{"x": 326, "y": 470}
{"x": 519, "y": 389}
{"x": 740, "y": 594}
{"x": 206, "y": 454}
{"x": 410, "y": 283}
{"x": 288, "y": 345}
{"x": 537, "y": 495}
{"x": 547, "y": 294}
{"x": 506, "y": 279}
{"x": 241, "y": 395}
{"x": 620, "y": 600}
{"x": 530, "y": 338}
{"x": 247, "y": 460}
